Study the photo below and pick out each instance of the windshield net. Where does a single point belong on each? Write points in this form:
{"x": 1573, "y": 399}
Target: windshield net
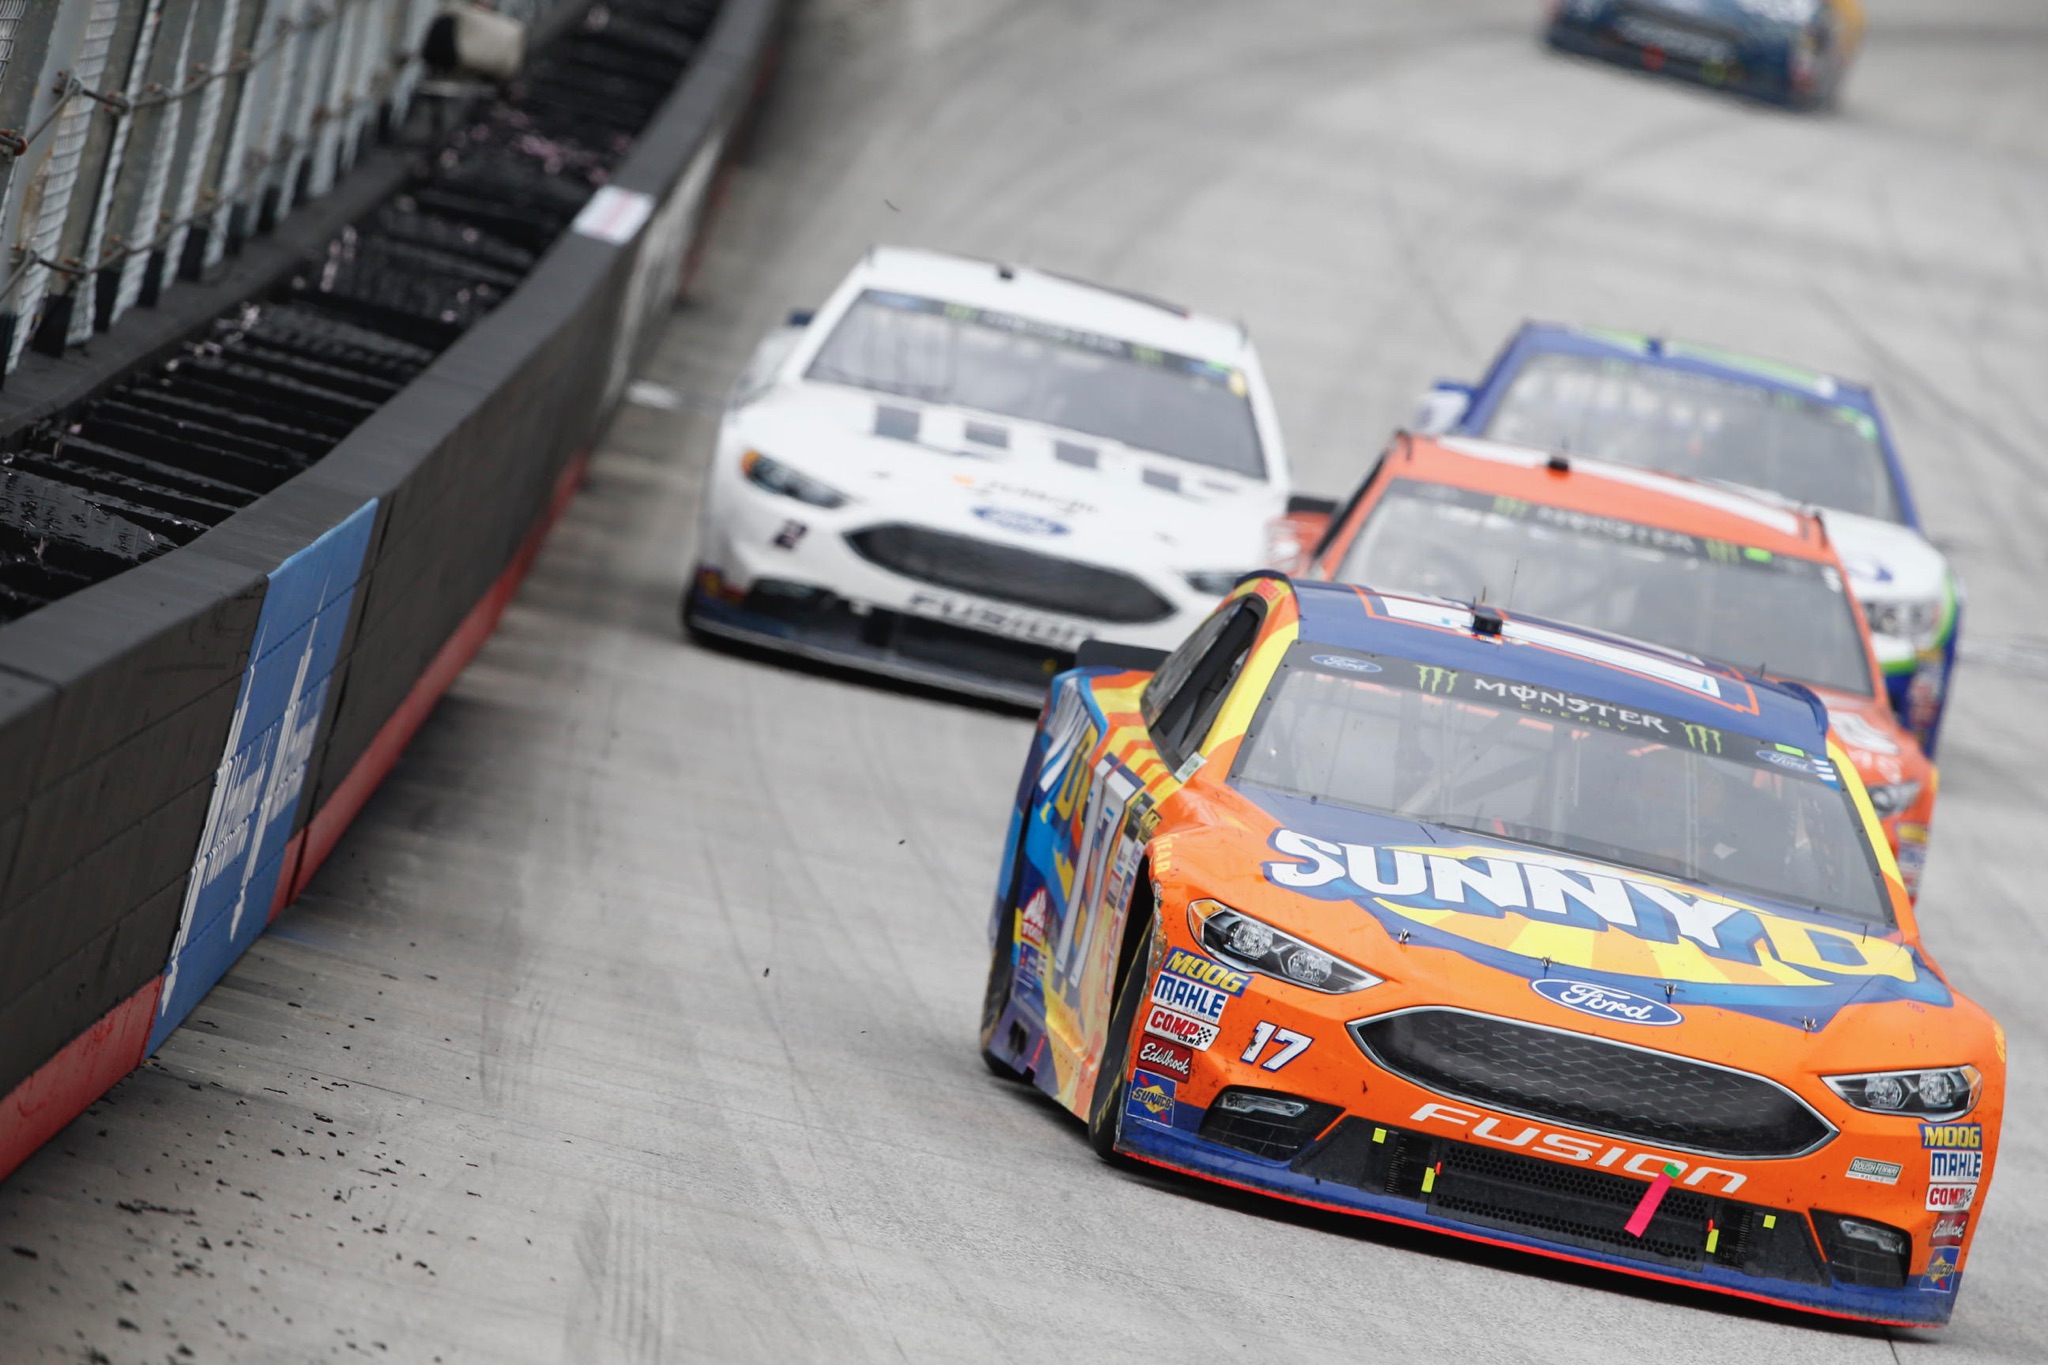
{"x": 1818, "y": 452}
{"x": 1019, "y": 367}
{"x": 1576, "y": 774}
{"x": 1782, "y": 615}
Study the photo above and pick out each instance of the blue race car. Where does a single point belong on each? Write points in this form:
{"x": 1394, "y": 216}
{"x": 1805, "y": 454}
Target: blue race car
{"x": 1809, "y": 438}
{"x": 1792, "y": 52}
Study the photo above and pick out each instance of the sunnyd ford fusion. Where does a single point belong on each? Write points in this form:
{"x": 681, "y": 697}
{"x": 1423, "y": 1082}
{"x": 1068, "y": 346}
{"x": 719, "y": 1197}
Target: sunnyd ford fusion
{"x": 1483, "y": 924}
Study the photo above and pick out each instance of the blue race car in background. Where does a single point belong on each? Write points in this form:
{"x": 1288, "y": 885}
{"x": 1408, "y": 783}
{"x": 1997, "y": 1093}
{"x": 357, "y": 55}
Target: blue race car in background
{"x": 1809, "y": 438}
{"x": 1793, "y": 52}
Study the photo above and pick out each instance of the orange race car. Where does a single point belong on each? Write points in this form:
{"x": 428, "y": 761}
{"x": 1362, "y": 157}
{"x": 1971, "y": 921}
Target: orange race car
{"x": 1694, "y": 566}
{"x": 1498, "y": 927}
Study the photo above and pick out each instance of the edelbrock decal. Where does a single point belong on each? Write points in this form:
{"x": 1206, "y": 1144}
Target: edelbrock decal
{"x": 1606, "y": 1002}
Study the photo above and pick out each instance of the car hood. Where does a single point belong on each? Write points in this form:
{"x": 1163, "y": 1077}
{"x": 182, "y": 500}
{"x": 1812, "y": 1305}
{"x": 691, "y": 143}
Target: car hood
{"x": 1884, "y": 752}
{"x": 1427, "y": 904}
{"x": 1886, "y": 561}
{"x": 1129, "y": 506}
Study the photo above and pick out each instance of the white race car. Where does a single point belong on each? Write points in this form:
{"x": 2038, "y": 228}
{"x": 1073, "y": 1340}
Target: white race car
{"x": 955, "y": 472}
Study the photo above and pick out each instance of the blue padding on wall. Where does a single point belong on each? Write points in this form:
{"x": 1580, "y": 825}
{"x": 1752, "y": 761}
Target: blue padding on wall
{"x": 263, "y": 766}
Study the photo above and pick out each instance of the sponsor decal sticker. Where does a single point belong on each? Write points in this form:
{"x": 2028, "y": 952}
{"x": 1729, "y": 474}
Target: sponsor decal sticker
{"x": 1032, "y": 921}
{"x": 1876, "y": 1172}
{"x": 1941, "y": 1269}
{"x": 1606, "y": 1002}
{"x": 1539, "y": 1141}
{"x": 1951, "y": 1198}
{"x": 1017, "y": 625}
{"x": 1165, "y": 1056}
{"x": 1151, "y": 1098}
{"x": 1213, "y": 974}
{"x": 1527, "y": 912}
{"x": 1965, "y": 1137}
{"x": 1955, "y": 1166}
{"x": 1189, "y": 997}
{"x": 1024, "y": 523}
{"x": 1287, "y": 1045}
{"x": 1180, "y": 1028}
{"x": 1949, "y": 1229}
{"x": 1345, "y": 663}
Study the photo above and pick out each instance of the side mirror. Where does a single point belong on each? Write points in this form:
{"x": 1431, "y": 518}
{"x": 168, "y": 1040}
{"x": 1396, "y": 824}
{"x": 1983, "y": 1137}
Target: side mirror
{"x": 1124, "y": 658}
{"x": 800, "y": 317}
{"x": 1442, "y": 408}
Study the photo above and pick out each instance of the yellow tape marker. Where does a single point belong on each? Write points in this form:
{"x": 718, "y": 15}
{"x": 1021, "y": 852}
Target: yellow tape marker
{"x": 1379, "y": 1135}
{"x": 1713, "y": 1239}
{"x": 1429, "y": 1180}
{"x": 1770, "y": 1220}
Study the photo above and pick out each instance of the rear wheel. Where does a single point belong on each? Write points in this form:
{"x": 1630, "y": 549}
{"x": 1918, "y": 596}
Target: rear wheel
{"x": 1106, "y": 1105}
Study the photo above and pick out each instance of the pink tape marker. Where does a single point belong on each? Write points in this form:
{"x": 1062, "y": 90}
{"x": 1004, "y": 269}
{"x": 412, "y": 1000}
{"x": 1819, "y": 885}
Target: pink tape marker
{"x": 1639, "y": 1221}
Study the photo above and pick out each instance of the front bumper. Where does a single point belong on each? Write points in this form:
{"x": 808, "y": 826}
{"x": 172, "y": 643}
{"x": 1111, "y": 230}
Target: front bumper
{"x": 1726, "y": 62}
{"x": 818, "y": 625}
{"x": 1364, "y": 1167}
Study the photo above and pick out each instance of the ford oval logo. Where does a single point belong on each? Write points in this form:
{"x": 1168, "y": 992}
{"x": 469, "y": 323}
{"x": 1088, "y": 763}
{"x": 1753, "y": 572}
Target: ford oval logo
{"x": 1605, "y": 1002}
{"x": 1348, "y": 664}
{"x": 1024, "y": 523}
{"x": 1783, "y": 760}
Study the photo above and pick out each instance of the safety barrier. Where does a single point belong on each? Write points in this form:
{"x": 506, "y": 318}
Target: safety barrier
{"x": 184, "y": 743}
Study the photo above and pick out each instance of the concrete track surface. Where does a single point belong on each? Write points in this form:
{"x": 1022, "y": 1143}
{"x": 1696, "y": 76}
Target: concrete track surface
{"x": 634, "y": 1021}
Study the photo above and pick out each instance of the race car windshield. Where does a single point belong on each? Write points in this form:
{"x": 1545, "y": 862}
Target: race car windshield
{"x": 1780, "y": 614}
{"x": 1035, "y": 371}
{"x": 1567, "y": 772}
{"x": 1814, "y": 451}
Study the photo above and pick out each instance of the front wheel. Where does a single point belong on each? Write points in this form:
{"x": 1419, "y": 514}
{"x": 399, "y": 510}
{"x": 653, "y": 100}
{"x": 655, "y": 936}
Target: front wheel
{"x": 1106, "y": 1105}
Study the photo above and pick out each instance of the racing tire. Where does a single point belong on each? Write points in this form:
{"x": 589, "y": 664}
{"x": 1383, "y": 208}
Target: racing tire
{"x": 1106, "y": 1105}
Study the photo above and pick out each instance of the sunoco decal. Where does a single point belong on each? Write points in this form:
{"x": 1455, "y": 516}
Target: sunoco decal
{"x": 1151, "y": 1098}
{"x": 1527, "y": 912}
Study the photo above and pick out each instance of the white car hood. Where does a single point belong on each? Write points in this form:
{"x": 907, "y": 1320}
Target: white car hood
{"x": 1886, "y": 562}
{"x": 1131, "y": 508}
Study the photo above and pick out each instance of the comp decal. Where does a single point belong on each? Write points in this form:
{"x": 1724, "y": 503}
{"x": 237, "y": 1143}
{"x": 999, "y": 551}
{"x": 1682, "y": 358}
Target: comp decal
{"x": 1528, "y": 913}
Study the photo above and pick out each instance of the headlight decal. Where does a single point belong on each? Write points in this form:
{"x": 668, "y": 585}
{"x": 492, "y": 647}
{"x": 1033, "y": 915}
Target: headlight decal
{"x": 1939, "y": 1092}
{"x": 1254, "y": 945}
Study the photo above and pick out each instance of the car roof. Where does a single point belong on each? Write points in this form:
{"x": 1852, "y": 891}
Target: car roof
{"x": 1671, "y": 501}
{"x": 1676, "y": 354}
{"x": 1050, "y": 297}
{"x": 1545, "y": 653}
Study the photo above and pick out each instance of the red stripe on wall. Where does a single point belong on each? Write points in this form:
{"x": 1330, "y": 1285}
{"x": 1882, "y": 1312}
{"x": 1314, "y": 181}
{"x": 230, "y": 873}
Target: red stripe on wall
{"x": 80, "y": 1073}
{"x": 309, "y": 849}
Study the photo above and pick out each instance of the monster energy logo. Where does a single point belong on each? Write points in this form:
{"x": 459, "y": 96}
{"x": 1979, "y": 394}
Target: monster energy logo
{"x": 1433, "y": 679}
{"x": 1702, "y": 738}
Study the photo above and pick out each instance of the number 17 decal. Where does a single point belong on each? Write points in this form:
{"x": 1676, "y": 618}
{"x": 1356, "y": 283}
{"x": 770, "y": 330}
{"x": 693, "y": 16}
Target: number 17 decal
{"x": 1292, "y": 1045}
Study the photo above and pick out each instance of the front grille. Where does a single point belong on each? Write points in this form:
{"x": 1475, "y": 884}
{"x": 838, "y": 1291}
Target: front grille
{"x": 1592, "y": 1084}
{"x": 1276, "y": 1137}
{"x": 1006, "y": 573}
{"x": 1565, "y": 1204}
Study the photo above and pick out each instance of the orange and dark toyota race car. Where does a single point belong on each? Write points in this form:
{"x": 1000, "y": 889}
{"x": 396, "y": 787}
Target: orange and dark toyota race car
{"x": 1689, "y": 565}
{"x": 1481, "y": 923}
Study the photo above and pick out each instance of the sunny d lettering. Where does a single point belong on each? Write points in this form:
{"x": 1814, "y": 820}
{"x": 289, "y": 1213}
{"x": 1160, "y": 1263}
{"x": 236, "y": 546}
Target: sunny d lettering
{"x": 1212, "y": 974}
{"x": 1189, "y": 997}
{"x": 1955, "y": 1165}
{"x": 1967, "y": 1137}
